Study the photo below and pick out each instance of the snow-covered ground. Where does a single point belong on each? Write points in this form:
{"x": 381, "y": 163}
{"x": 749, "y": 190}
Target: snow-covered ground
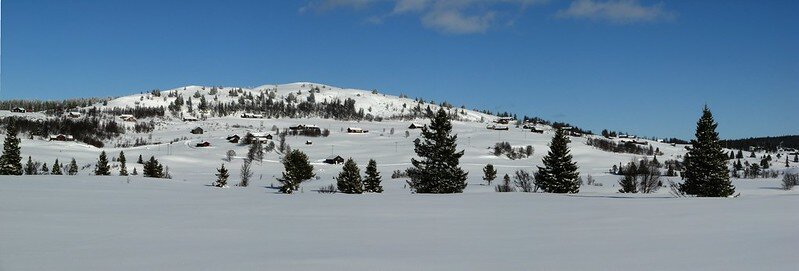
{"x": 86, "y": 222}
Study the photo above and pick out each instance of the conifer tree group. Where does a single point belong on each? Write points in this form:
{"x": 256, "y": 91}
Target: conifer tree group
{"x": 706, "y": 173}
{"x": 437, "y": 171}
{"x": 153, "y": 169}
{"x": 559, "y": 173}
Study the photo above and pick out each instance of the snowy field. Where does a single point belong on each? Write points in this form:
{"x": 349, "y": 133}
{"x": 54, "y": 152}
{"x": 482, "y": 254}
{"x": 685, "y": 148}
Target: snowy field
{"x": 87, "y": 222}
{"x": 110, "y": 223}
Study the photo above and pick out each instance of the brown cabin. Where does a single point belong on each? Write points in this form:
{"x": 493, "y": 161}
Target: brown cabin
{"x": 334, "y": 160}
{"x": 197, "y": 131}
{"x": 204, "y": 144}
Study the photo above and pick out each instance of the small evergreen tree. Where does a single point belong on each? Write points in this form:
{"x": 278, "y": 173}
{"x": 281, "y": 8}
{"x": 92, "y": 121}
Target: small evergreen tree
{"x": 372, "y": 180}
{"x": 153, "y": 169}
{"x": 739, "y": 155}
{"x": 134, "y": 173}
{"x": 221, "y": 177}
{"x": 246, "y": 173}
{"x": 629, "y": 182}
{"x": 73, "y": 167}
{"x": 349, "y": 179}
{"x": 505, "y": 186}
{"x": 764, "y": 163}
{"x": 706, "y": 172}
{"x": 438, "y": 170}
{"x": 30, "y": 167}
{"x": 102, "y": 168}
{"x": 123, "y": 169}
{"x": 796, "y": 158}
{"x": 140, "y": 161}
{"x": 296, "y": 170}
{"x": 489, "y": 173}
{"x": 559, "y": 174}
{"x": 45, "y": 169}
{"x": 56, "y": 168}
{"x": 786, "y": 162}
{"x": 11, "y": 160}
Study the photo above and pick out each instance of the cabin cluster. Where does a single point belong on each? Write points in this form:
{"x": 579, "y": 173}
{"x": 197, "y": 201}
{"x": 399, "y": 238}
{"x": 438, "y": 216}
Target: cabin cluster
{"x": 252, "y": 116}
{"x": 252, "y": 137}
{"x": 61, "y": 137}
{"x": 356, "y": 130}
{"x": 305, "y": 129}
{"x": 127, "y": 117}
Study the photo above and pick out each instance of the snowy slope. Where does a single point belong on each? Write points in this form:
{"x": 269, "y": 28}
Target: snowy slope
{"x": 378, "y": 105}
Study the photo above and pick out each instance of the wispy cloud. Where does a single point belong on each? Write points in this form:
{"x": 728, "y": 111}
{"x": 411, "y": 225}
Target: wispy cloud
{"x": 615, "y": 11}
{"x": 445, "y": 16}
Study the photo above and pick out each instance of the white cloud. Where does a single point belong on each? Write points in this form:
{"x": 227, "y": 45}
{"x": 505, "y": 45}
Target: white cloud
{"x": 446, "y": 16}
{"x": 616, "y": 11}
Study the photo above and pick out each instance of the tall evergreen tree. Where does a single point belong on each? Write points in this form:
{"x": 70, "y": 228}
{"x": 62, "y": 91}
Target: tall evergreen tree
{"x": 706, "y": 172}
{"x": 73, "y": 167}
{"x": 245, "y": 173}
{"x": 438, "y": 170}
{"x": 221, "y": 177}
{"x": 11, "y": 160}
{"x": 559, "y": 173}
{"x": 56, "y": 168}
{"x": 123, "y": 169}
{"x": 489, "y": 173}
{"x": 796, "y": 158}
{"x": 371, "y": 183}
{"x": 296, "y": 170}
{"x": 786, "y": 162}
{"x": 102, "y": 168}
{"x": 30, "y": 167}
{"x": 349, "y": 179}
{"x": 739, "y": 155}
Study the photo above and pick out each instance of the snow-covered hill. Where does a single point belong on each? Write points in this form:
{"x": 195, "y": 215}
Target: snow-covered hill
{"x": 372, "y": 102}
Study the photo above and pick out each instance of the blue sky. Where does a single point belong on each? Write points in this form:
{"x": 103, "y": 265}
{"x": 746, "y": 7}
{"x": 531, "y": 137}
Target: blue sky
{"x": 645, "y": 67}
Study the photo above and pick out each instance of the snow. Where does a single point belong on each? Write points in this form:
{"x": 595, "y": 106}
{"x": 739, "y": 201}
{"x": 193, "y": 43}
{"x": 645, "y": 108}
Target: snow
{"x": 110, "y": 223}
{"x": 88, "y": 222}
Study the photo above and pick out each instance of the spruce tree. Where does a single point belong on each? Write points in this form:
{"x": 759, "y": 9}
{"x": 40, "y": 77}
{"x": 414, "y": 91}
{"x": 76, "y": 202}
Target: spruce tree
{"x": 706, "y": 172}
{"x": 437, "y": 171}
{"x": 45, "y": 169}
{"x": 123, "y": 169}
{"x": 629, "y": 182}
{"x": 371, "y": 183}
{"x": 56, "y": 168}
{"x": 296, "y": 170}
{"x": 489, "y": 173}
{"x": 140, "y": 161}
{"x": 153, "y": 169}
{"x": 73, "y": 167}
{"x": 559, "y": 174}
{"x": 134, "y": 173}
{"x": 30, "y": 167}
{"x": 349, "y": 179}
{"x": 221, "y": 177}
{"x": 796, "y": 158}
{"x": 786, "y": 162}
{"x": 102, "y": 168}
{"x": 11, "y": 160}
{"x": 245, "y": 173}
{"x": 739, "y": 155}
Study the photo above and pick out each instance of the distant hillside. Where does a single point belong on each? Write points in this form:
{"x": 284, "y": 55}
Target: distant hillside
{"x": 767, "y": 143}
